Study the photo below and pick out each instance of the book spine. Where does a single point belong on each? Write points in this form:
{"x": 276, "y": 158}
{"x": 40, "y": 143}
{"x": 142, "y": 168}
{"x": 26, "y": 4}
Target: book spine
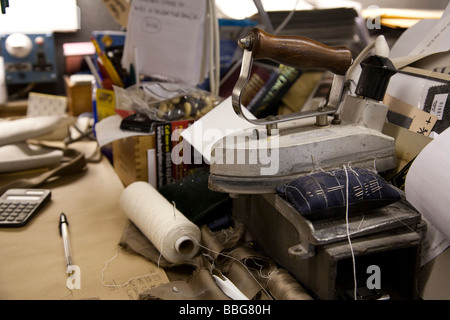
{"x": 161, "y": 153}
{"x": 256, "y": 101}
{"x": 167, "y": 152}
{"x": 274, "y": 90}
{"x": 174, "y": 155}
{"x": 181, "y": 150}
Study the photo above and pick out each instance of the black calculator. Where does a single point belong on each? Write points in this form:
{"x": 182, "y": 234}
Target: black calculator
{"x": 18, "y": 206}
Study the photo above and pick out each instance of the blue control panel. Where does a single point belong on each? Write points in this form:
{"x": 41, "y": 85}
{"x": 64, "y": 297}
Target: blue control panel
{"x": 29, "y": 58}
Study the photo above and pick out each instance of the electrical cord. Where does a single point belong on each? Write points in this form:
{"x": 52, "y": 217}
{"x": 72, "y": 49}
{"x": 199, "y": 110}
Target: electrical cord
{"x": 214, "y": 49}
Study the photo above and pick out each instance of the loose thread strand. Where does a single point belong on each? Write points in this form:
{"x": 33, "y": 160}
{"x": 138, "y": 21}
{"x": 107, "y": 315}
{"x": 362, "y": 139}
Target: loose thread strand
{"x": 348, "y": 234}
{"x": 126, "y": 282}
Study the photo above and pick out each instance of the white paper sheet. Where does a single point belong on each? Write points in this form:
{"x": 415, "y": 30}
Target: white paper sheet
{"x": 31, "y": 16}
{"x": 433, "y": 245}
{"x": 241, "y": 9}
{"x": 426, "y": 37}
{"x": 437, "y": 39}
{"x": 166, "y": 39}
{"x": 428, "y": 183}
{"x": 215, "y": 125}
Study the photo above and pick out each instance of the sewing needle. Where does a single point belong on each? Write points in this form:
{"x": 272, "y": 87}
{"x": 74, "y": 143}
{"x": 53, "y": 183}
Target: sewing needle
{"x": 64, "y": 232}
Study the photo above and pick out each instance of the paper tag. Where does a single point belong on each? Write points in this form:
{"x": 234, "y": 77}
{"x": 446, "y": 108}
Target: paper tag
{"x": 119, "y": 9}
{"x": 40, "y": 104}
{"x": 437, "y": 108}
{"x": 409, "y": 117}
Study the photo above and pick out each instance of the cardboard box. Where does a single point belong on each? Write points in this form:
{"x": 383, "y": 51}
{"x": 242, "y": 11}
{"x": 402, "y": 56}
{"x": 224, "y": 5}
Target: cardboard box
{"x": 130, "y": 158}
{"x": 79, "y": 96}
{"x": 74, "y": 53}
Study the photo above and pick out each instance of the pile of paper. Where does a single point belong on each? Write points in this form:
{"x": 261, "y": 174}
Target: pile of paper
{"x": 418, "y": 95}
{"x": 168, "y": 40}
{"x": 425, "y": 38}
{"x": 423, "y": 51}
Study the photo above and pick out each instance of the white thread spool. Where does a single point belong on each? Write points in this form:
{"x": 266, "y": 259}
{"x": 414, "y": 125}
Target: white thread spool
{"x": 175, "y": 236}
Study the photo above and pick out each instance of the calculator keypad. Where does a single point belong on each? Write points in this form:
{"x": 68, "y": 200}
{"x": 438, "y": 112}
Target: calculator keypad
{"x": 18, "y": 206}
{"x": 13, "y": 211}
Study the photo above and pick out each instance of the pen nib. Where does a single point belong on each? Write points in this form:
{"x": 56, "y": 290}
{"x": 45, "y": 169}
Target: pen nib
{"x": 70, "y": 270}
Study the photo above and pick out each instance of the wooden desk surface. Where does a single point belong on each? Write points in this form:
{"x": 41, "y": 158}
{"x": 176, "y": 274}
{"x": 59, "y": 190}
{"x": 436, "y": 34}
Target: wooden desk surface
{"x": 32, "y": 261}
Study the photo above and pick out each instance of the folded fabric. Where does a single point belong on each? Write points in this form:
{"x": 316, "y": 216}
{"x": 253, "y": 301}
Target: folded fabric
{"x": 256, "y": 276}
{"x": 73, "y": 162}
{"x": 327, "y": 194}
{"x": 21, "y": 156}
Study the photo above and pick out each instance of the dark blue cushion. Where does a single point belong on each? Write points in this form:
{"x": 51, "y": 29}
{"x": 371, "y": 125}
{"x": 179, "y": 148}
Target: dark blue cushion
{"x": 323, "y": 194}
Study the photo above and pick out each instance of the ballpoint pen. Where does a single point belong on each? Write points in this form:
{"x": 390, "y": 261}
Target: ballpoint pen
{"x": 64, "y": 232}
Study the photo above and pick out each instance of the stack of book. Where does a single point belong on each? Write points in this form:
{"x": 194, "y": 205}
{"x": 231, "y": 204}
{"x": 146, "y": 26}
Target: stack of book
{"x": 174, "y": 157}
{"x": 333, "y": 27}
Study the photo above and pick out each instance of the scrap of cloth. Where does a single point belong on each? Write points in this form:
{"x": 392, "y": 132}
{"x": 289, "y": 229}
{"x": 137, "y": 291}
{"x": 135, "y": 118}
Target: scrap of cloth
{"x": 256, "y": 276}
{"x": 327, "y": 194}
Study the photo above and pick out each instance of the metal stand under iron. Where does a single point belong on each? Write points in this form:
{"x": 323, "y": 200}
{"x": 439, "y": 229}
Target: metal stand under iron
{"x": 344, "y": 131}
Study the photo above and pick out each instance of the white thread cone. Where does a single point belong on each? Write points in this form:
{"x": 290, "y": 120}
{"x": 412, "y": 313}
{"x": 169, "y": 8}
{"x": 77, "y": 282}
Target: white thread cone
{"x": 175, "y": 236}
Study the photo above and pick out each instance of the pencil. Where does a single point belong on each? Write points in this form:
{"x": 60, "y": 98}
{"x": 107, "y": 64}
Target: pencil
{"x": 98, "y": 79}
{"x": 114, "y": 76}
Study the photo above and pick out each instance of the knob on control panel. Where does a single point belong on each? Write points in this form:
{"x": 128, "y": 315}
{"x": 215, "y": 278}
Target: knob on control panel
{"x": 18, "y": 45}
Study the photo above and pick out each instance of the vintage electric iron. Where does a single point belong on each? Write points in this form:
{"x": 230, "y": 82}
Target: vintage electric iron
{"x": 345, "y": 130}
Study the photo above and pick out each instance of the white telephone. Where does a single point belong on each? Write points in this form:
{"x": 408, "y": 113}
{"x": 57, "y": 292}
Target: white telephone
{"x": 16, "y": 154}
{"x": 3, "y": 91}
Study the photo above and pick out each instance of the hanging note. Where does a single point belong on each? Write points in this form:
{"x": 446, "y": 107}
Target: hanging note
{"x": 119, "y": 9}
{"x": 166, "y": 40}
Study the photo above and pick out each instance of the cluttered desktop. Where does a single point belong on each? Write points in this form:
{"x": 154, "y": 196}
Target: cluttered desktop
{"x": 186, "y": 150}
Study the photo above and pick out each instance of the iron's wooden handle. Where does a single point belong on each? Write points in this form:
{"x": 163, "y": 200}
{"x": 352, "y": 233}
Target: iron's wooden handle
{"x": 297, "y": 52}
